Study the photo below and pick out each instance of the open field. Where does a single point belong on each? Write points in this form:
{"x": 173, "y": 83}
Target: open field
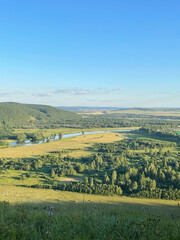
{"x": 14, "y": 178}
{"x": 146, "y": 112}
{"x": 15, "y": 194}
{"x": 91, "y": 113}
{"x": 77, "y": 146}
{"x": 154, "y": 112}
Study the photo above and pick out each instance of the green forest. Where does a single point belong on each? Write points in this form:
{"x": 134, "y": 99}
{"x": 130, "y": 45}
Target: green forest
{"x": 16, "y": 115}
{"x": 140, "y": 167}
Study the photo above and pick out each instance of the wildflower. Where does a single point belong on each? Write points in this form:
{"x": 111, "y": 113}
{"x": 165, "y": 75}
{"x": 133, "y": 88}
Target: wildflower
{"x": 51, "y": 208}
{"x": 50, "y": 213}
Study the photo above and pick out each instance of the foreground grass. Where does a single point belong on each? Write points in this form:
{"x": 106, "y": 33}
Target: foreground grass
{"x": 83, "y": 222}
{"x": 76, "y": 146}
{"x": 26, "y": 213}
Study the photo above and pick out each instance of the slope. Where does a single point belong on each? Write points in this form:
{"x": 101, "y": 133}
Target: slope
{"x": 21, "y": 115}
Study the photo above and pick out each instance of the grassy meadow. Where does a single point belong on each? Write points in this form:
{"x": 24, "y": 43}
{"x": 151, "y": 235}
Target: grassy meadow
{"x": 17, "y": 178}
{"x": 46, "y": 214}
{"x": 76, "y": 146}
{"x": 16, "y": 195}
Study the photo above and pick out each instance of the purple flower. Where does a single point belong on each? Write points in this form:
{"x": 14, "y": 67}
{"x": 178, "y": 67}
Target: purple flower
{"x": 50, "y": 213}
{"x": 51, "y": 208}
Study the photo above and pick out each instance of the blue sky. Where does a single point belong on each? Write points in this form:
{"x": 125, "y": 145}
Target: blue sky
{"x": 90, "y": 53}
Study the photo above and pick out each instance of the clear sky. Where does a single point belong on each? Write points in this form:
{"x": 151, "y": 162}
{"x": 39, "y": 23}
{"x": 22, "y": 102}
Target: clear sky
{"x": 90, "y": 52}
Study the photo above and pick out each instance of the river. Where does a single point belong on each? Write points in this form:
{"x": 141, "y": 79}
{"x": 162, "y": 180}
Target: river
{"x": 29, "y": 142}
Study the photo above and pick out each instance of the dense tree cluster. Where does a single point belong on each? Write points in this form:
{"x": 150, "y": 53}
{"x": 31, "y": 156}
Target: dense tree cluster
{"x": 165, "y": 132}
{"x": 3, "y": 143}
{"x": 140, "y": 167}
{"x": 102, "y": 121}
{"x": 98, "y": 189}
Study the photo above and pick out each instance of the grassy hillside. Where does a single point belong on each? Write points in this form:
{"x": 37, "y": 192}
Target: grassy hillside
{"x": 21, "y": 115}
{"x": 47, "y": 214}
{"x": 23, "y": 195}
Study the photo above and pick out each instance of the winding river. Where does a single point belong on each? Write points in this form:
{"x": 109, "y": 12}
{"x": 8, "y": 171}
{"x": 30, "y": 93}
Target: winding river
{"x": 29, "y": 142}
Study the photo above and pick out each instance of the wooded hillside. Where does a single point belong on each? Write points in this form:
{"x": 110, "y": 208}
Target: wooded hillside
{"x": 21, "y": 115}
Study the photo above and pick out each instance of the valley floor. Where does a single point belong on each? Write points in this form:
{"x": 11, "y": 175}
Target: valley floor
{"x": 77, "y": 146}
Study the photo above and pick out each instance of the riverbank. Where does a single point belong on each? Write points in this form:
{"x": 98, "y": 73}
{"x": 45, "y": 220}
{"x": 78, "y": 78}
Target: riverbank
{"x": 53, "y": 134}
{"x": 76, "y": 146}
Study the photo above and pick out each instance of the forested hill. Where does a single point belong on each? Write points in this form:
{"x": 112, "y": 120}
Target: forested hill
{"x": 21, "y": 115}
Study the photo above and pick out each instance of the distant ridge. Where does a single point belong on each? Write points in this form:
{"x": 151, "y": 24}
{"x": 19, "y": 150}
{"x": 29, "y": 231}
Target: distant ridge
{"x": 21, "y": 115}
{"x": 86, "y": 108}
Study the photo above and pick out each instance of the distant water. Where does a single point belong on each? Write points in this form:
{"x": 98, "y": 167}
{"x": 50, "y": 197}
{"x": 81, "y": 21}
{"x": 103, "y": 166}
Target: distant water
{"x": 29, "y": 142}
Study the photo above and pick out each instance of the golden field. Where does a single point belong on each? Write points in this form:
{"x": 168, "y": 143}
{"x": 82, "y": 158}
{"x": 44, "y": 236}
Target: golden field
{"x": 76, "y": 146}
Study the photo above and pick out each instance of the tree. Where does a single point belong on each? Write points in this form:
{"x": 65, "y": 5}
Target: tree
{"x": 28, "y": 167}
{"x": 165, "y": 163}
{"x": 3, "y": 143}
{"x": 86, "y": 180}
{"x": 60, "y": 136}
{"x": 21, "y": 137}
{"x": 93, "y": 165}
{"x": 176, "y": 165}
{"x": 114, "y": 177}
{"x": 134, "y": 186}
{"x": 142, "y": 182}
{"x": 91, "y": 182}
{"x": 80, "y": 168}
{"x": 53, "y": 173}
{"x": 99, "y": 159}
{"x": 106, "y": 177}
{"x": 151, "y": 184}
{"x": 162, "y": 177}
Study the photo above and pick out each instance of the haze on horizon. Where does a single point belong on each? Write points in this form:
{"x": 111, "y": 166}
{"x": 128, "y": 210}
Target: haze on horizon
{"x": 90, "y": 53}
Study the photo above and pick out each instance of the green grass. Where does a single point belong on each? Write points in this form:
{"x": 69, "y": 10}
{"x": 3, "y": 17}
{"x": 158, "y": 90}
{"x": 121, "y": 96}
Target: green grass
{"x": 84, "y": 216}
{"x": 23, "y": 195}
{"x": 83, "y": 221}
{"x": 14, "y": 178}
